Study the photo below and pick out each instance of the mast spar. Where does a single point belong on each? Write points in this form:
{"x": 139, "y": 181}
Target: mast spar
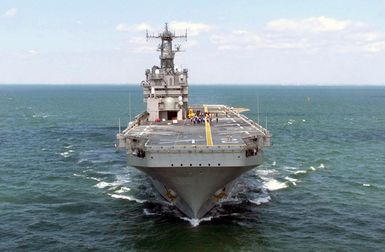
{"x": 167, "y": 52}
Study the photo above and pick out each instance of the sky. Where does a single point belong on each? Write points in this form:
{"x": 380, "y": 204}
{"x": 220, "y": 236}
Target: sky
{"x": 290, "y": 42}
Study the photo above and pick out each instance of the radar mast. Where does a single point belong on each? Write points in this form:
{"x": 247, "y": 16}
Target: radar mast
{"x": 167, "y": 52}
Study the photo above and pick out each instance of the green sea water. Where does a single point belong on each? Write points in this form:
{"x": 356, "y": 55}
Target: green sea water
{"x": 63, "y": 187}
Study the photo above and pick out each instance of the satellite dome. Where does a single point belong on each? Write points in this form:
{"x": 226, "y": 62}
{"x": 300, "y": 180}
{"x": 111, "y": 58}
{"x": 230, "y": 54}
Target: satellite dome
{"x": 169, "y": 103}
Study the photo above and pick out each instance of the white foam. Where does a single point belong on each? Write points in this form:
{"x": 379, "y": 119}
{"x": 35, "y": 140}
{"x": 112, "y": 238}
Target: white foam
{"x": 148, "y": 213}
{"x": 274, "y": 163}
{"x": 83, "y": 160}
{"x": 93, "y": 178}
{"x": 261, "y": 200}
{"x": 367, "y": 185}
{"x": 321, "y": 166}
{"x": 312, "y": 168}
{"x": 300, "y": 172}
{"x": 119, "y": 196}
{"x": 291, "y": 121}
{"x": 102, "y": 184}
{"x": 120, "y": 180}
{"x": 273, "y": 185}
{"x": 83, "y": 176}
{"x": 65, "y": 154}
{"x": 195, "y": 222}
{"x": 123, "y": 189}
{"x": 263, "y": 173}
{"x": 289, "y": 168}
{"x": 39, "y": 115}
{"x": 291, "y": 179}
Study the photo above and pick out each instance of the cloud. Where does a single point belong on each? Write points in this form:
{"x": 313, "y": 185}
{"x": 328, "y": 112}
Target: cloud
{"x": 375, "y": 46}
{"x": 123, "y": 27}
{"x": 312, "y": 24}
{"x": 193, "y": 29}
{"x": 33, "y": 52}
{"x": 237, "y": 39}
{"x": 312, "y": 35}
{"x": 138, "y": 45}
{"x": 10, "y": 13}
{"x": 142, "y": 27}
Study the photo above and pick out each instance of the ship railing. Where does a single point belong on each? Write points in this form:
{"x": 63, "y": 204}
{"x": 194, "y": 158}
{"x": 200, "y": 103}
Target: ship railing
{"x": 138, "y": 120}
{"x": 196, "y": 148}
{"x": 246, "y": 119}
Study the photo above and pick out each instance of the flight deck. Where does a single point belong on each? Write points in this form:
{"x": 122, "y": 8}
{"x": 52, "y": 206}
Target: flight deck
{"x": 221, "y": 126}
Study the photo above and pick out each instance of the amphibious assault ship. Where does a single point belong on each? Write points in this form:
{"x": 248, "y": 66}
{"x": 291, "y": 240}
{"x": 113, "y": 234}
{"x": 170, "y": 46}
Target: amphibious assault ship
{"x": 192, "y": 153}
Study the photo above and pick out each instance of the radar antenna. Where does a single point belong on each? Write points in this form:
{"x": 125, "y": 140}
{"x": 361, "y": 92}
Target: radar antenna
{"x": 167, "y": 52}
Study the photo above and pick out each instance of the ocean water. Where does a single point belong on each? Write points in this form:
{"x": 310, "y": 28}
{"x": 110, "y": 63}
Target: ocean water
{"x": 64, "y": 187}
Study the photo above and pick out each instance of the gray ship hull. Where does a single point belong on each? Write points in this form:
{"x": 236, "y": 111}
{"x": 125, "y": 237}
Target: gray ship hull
{"x": 195, "y": 187}
{"x": 194, "y": 190}
{"x": 195, "y": 166}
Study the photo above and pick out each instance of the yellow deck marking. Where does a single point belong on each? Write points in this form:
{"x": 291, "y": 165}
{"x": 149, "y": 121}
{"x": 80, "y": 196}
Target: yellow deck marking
{"x": 209, "y": 140}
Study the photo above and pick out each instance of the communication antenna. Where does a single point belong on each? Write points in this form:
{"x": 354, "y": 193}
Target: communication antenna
{"x": 258, "y": 108}
{"x": 266, "y": 122}
{"x": 129, "y": 105}
{"x": 167, "y": 51}
{"x": 120, "y": 129}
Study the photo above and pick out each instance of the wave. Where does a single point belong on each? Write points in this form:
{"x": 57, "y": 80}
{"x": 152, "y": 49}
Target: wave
{"x": 123, "y": 189}
{"x": 40, "y": 115}
{"x": 274, "y": 185}
{"x": 148, "y": 213}
{"x": 65, "y": 154}
{"x": 195, "y": 222}
{"x": 261, "y": 200}
{"x": 292, "y": 180}
{"x": 86, "y": 177}
{"x": 300, "y": 172}
{"x": 103, "y": 184}
{"x": 130, "y": 198}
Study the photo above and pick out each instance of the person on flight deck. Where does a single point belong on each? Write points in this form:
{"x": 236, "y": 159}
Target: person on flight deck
{"x": 216, "y": 117}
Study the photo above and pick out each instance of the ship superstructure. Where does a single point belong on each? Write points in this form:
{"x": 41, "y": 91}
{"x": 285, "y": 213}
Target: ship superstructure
{"x": 166, "y": 88}
{"x": 192, "y": 153}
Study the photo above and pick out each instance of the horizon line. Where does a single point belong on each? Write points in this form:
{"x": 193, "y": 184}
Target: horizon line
{"x": 199, "y": 84}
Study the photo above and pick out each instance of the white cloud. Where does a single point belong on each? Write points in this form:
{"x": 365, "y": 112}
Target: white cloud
{"x": 237, "y": 39}
{"x": 312, "y": 35}
{"x": 33, "y": 52}
{"x": 140, "y": 45}
{"x": 312, "y": 24}
{"x": 10, "y": 13}
{"x": 123, "y": 27}
{"x": 375, "y": 46}
{"x": 142, "y": 27}
{"x": 193, "y": 29}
